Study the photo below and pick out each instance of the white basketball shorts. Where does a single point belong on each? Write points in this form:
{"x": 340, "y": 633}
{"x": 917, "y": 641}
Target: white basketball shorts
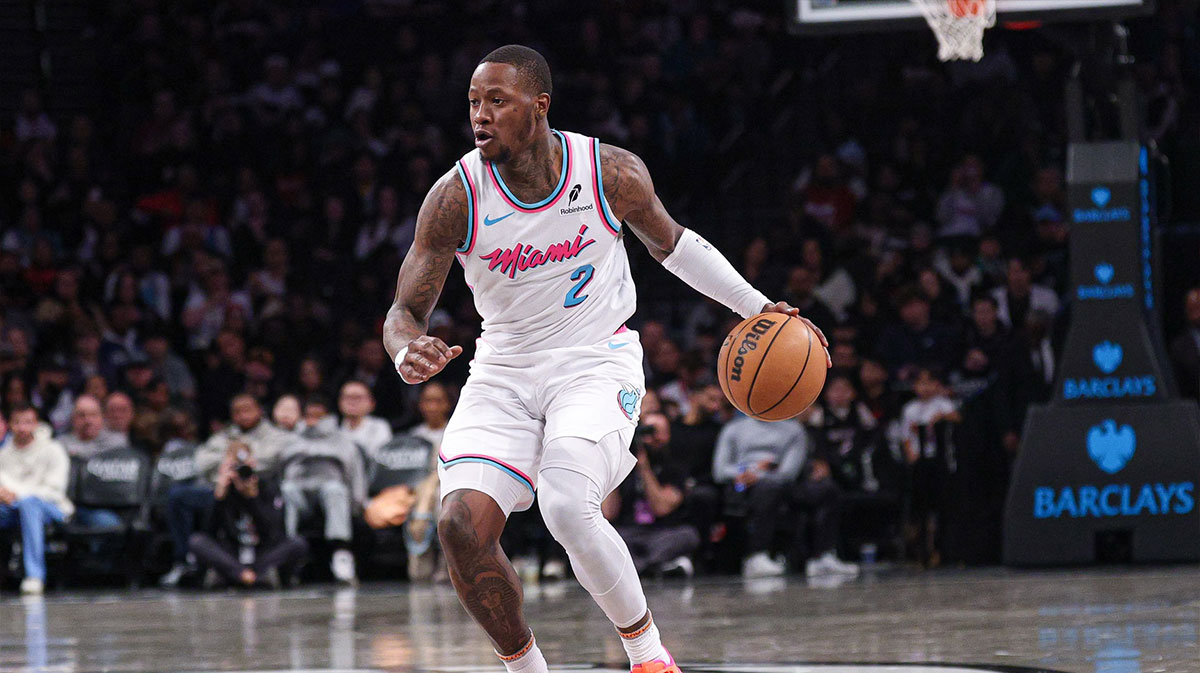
{"x": 513, "y": 406}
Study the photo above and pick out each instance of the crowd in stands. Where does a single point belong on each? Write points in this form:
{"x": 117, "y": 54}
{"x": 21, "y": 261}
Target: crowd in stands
{"x": 195, "y": 272}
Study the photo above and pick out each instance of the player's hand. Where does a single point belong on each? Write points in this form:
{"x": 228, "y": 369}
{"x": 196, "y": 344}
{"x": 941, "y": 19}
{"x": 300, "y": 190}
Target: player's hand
{"x": 786, "y": 309}
{"x": 426, "y": 356}
{"x": 7, "y": 497}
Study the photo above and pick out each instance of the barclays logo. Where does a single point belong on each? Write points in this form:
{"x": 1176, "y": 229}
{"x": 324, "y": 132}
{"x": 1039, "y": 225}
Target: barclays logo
{"x": 1101, "y": 198}
{"x": 1107, "y": 356}
{"x": 1104, "y": 274}
{"x": 1109, "y": 447}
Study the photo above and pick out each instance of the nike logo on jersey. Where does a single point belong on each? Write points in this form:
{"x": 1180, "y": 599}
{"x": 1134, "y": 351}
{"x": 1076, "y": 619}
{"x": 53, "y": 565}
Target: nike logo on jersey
{"x": 614, "y": 346}
{"x": 488, "y": 221}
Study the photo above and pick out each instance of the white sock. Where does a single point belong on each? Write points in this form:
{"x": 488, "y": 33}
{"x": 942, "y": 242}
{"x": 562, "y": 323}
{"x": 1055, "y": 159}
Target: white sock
{"x": 645, "y": 646}
{"x": 530, "y": 660}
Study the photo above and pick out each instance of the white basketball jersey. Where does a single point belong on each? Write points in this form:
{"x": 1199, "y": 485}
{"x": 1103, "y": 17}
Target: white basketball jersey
{"x": 549, "y": 274}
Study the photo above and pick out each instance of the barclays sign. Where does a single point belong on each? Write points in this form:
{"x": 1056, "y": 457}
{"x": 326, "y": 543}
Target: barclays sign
{"x": 1111, "y": 447}
{"x": 1107, "y": 357}
{"x": 1101, "y": 212}
{"x": 1104, "y": 273}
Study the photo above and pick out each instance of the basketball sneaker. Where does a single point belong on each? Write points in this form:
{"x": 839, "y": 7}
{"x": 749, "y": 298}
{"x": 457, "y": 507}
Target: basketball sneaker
{"x": 656, "y": 666}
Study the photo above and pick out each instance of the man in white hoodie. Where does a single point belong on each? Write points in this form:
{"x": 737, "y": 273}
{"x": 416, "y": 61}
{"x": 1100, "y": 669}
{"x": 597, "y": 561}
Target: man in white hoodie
{"x": 33, "y": 491}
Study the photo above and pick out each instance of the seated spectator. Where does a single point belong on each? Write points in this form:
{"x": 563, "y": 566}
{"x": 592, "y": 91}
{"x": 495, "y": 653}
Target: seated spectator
{"x": 757, "y": 462}
{"x": 919, "y": 419}
{"x": 415, "y": 505}
{"x": 170, "y": 367}
{"x": 818, "y": 498}
{"x": 356, "y": 404}
{"x": 1185, "y": 347}
{"x": 648, "y": 510}
{"x": 323, "y": 472}
{"x": 118, "y": 416}
{"x": 986, "y": 340}
{"x": 34, "y": 471}
{"x": 1018, "y": 296}
{"x": 242, "y": 491}
{"x": 191, "y": 501}
{"x": 917, "y": 341}
{"x": 88, "y": 435}
{"x": 970, "y": 205}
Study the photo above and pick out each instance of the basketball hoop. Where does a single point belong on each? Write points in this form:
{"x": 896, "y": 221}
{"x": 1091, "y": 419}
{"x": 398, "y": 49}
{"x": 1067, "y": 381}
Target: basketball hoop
{"x": 959, "y": 26}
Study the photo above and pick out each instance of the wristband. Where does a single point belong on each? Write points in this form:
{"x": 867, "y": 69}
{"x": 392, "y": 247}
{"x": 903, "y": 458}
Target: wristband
{"x": 400, "y": 359}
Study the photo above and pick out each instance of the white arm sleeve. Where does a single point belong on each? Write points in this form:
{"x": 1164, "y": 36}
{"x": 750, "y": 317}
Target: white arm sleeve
{"x": 703, "y": 267}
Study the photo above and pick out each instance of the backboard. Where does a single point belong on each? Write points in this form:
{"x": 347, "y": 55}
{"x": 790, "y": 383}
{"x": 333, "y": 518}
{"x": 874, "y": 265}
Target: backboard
{"x": 820, "y": 16}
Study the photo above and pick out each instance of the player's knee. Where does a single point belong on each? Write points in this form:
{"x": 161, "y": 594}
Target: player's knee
{"x": 566, "y": 511}
{"x": 465, "y": 526}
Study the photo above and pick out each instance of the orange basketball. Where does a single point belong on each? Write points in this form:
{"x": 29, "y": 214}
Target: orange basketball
{"x": 771, "y": 366}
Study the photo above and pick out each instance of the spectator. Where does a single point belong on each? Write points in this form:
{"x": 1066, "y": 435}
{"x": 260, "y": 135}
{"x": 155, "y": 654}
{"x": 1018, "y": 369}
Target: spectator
{"x": 33, "y": 491}
{"x": 170, "y": 367}
{"x": 986, "y": 340}
{"x": 190, "y": 502}
{"x": 356, "y": 404}
{"x": 1027, "y": 376}
{"x": 242, "y": 490}
{"x": 845, "y": 435}
{"x": 648, "y": 508}
{"x": 917, "y": 341}
{"x": 920, "y": 419}
{"x": 416, "y": 505}
{"x": 757, "y": 462}
{"x": 323, "y": 472}
{"x": 800, "y": 292}
{"x": 51, "y": 395}
{"x": 1019, "y": 295}
{"x": 88, "y": 435}
{"x": 817, "y": 496}
{"x": 970, "y": 205}
{"x": 1185, "y": 347}
{"x": 118, "y": 416}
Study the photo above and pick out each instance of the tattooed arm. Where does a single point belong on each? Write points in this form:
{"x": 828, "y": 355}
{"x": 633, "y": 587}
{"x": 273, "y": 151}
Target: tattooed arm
{"x": 441, "y": 228}
{"x": 630, "y": 193}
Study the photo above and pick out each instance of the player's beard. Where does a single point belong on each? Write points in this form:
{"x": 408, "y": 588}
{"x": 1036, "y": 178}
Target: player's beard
{"x": 505, "y": 152}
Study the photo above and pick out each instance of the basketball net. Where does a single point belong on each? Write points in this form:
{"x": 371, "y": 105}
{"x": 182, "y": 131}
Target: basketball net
{"x": 959, "y": 26}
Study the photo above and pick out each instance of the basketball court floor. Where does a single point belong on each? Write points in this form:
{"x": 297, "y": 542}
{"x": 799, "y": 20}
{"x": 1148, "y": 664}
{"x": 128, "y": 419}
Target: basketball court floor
{"x": 1107, "y": 621}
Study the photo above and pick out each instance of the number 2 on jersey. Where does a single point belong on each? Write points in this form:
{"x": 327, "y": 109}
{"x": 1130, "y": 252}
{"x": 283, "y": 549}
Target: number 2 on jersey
{"x": 584, "y": 276}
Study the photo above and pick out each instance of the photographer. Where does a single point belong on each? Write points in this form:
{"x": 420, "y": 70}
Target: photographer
{"x": 647, "y": 509}
{"x": 248, "y": 545}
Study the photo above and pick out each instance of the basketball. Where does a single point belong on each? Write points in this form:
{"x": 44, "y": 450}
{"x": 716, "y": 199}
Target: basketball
{"x": 771, "y": 366}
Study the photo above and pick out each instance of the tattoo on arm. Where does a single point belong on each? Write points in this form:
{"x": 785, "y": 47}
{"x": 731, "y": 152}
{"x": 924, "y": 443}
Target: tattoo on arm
{"x": 441, "y": 227}
{"x": 630, "y": 192}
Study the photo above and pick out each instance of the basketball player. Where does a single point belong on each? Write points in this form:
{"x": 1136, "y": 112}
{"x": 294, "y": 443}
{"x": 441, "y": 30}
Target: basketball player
{"x": 536, "y": 218}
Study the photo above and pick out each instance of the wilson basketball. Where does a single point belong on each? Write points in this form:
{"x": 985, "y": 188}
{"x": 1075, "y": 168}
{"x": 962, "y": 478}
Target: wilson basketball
{"x": 771, "y": 366}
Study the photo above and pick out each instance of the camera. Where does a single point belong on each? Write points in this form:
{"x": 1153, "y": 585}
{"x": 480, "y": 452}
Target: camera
{"x": 243, "y": 469}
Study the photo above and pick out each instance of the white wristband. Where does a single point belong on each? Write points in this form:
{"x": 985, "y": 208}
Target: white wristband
{"x": 702, "y": 266}
{"x": 398, "y": 361}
